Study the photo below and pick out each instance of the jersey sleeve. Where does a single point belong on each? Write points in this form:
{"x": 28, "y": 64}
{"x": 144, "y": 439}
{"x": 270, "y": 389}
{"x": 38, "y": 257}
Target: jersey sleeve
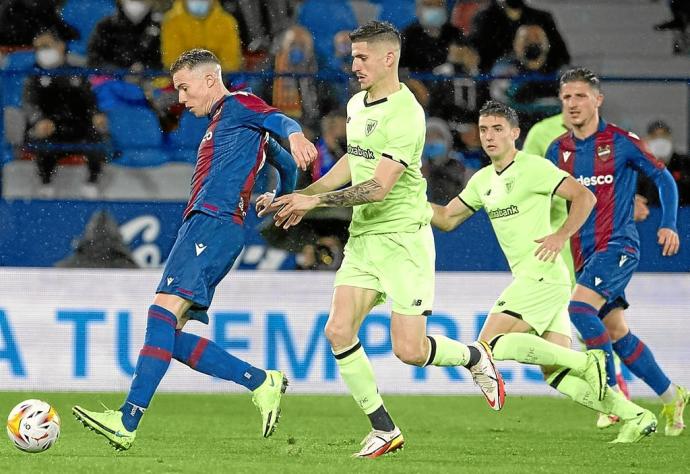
{"x": 552, "y": 152}
{"x": 470, "y": 195}
{"x": 639, "y": 158}
{"x": 545, "y": 176}
{"x": 404, "y": 138}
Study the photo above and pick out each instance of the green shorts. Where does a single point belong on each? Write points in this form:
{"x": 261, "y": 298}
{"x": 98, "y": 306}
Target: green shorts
{"x": 544, "y": 306}
{"x": 400, "y": 265}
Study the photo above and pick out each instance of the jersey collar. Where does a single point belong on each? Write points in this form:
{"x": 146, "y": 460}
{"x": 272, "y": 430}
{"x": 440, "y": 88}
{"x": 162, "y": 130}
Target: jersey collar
{"x": 216, "y": 106}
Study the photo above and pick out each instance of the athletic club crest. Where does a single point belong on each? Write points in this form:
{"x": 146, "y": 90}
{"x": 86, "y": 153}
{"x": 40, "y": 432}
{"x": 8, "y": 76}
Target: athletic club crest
{"x": 370, "y": 126}
{"x": 510, "y": 184}
{"x": 604, "y": 152}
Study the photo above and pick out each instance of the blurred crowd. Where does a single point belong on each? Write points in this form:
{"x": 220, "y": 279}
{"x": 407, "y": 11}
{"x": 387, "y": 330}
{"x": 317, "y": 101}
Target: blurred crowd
{"x": 123, "y": 108}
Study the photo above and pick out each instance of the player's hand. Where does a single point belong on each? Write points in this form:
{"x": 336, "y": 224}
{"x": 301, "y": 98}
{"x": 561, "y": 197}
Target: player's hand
{"x": 263, "y": 203}
{"x": 641, "y": 211}
{"x": 669, "y": 241}
{"x": 303, "y": 151}
{"x": 550, "y": 247}
{"x": 292, "y": 208}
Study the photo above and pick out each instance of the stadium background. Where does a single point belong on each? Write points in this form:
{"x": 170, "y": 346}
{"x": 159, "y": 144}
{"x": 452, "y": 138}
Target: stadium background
{"x": 80, "y": 329}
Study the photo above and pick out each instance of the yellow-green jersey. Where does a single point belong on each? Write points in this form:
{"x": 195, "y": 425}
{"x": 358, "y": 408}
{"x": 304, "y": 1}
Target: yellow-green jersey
{"x": 392, "y": 128}
{"x": 518, "y": 203}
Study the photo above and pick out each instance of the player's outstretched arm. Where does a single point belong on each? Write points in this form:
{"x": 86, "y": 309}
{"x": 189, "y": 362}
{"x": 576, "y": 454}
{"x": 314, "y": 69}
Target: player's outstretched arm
{"x": 376, "y": 189}
{"x": 582, "y": 202}
{"x": 450, "y": 216}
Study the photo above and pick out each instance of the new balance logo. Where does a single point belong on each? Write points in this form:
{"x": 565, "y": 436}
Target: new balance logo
{"x": 500, "y": 303}
{"x": 199, "y": 248}
{"x": 566, "y": 156}
{"x": 416, "y": 302}
{"x": 621, "y": 262}
{"x": 170, "y": 280}
{"x": 597, "y": 281}
{"x": 487, "y": 193}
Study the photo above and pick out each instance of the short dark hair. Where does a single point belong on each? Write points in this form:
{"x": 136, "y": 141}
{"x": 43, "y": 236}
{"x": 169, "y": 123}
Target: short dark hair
{"x": 583, "y": 75}
{"x": 192, "y": 58}
{"x": 376, "y": 31}
{"x": 658, "y": 125}
{"x": 497, "y": 109}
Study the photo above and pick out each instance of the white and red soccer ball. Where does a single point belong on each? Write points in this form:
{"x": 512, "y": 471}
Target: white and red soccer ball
{"x": 33, "y": 426}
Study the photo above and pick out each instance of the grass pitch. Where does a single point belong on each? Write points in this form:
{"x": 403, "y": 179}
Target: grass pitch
{"x": 221, "y": 433}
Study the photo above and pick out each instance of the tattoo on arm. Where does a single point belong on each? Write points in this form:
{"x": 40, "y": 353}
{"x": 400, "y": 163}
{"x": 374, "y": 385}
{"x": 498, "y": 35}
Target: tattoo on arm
{"x": 361, "y": 193}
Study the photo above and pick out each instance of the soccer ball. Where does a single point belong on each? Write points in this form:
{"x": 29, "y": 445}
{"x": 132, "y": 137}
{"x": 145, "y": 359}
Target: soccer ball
{"x": 33, "y": 426}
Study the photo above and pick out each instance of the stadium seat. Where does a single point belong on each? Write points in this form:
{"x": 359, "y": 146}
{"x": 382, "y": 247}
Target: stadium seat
{"x": 136, "y": 137}
{"x": 340, "y": 17}
{"x": 84, "y": 15}
{"x": 183, "y": 143}
{"x": 399, "y": 12}
{"x": 18, "y": 64}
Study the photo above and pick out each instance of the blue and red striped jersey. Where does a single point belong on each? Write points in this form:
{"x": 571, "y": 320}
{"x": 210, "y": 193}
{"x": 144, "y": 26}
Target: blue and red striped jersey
{"x": 607, "y": 162}
{"x": 230, "y": 155}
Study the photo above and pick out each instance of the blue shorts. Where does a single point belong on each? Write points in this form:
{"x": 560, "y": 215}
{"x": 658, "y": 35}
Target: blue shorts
{"x": 608, "y": 273}
{"x": 204, "y": 251}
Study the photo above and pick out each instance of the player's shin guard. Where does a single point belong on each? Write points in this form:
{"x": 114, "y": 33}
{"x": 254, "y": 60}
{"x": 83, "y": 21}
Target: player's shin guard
{"x": 532, "y": 349}
{"x": 358, "y": 375}
{"x": 153, "y": 362}
{"x": 446, "y": 352}
{"x": 586, "y": 320}
{"x": 640, "y": 360}
{"x": 209, "y": 358}
{"x": 581, "y": 392}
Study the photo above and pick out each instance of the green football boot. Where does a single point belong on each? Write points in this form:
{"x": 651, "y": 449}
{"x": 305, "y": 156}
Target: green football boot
{"x": 267, "y": 399}
{"x": 637, "y": 428}
{"x": 107, "y": 424}
{"x": 673, "y": 413}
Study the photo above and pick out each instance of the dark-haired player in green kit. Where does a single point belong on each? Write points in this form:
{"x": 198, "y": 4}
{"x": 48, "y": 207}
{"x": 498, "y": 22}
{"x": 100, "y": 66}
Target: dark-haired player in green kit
{"x": 529, "y": 322}
{"x": 390, "y": 251}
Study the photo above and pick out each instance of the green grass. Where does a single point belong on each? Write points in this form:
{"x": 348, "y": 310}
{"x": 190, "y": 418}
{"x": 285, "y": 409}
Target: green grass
{"x": 221, "y": 433}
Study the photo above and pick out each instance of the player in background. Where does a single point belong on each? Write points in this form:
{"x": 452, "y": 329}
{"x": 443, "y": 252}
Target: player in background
{"x": 537, "y": 141}
{"x": 606, "y": 159}
{"x": 233, "y": 150}
{"x": 529, "y": 322}
{"x": 390, "y": 251}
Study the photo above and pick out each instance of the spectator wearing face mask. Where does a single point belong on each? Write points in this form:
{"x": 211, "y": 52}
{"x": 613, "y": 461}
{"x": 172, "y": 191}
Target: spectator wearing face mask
{"x": 533, "y": 99}
{"x": 495, "y": 28}
{"x": 128, "y": 39}
{"x": 61, "y": 110}
{"x": 296, "y": 96}
{"x": 201, "y": 24}
{"x": 445, "y": 175}
{"x": 659, "y": 141}
{"x": 426, "y": 41}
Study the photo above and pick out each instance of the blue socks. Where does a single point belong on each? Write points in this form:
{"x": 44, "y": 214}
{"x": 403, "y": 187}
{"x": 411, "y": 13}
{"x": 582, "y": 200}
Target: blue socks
{"x": 586, "y": 320}
{"x": 640, "y": 360}
{"x": 154, "y": 359}
{"x": 209, "y": 358}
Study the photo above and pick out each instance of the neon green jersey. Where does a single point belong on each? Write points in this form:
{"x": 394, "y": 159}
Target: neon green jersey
{"x": 542, "y": 134}
{"x": 537, "y": 142}
{"x": 518, "y": 202}
{"x": 392, "y": 128}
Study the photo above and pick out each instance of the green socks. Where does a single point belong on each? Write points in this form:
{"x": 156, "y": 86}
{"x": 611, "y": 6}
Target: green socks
{"x": 531, "y": 349}
{"x": 358, "y": 375}
{"x": 579, "y": 391}
{"x": 447, "y": 352}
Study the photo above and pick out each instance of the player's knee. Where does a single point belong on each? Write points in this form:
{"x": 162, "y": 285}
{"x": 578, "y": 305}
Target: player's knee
{"x": 338, "y": 335}
{"x": 411, "y": 354}
{"x": 616, "y": 329}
